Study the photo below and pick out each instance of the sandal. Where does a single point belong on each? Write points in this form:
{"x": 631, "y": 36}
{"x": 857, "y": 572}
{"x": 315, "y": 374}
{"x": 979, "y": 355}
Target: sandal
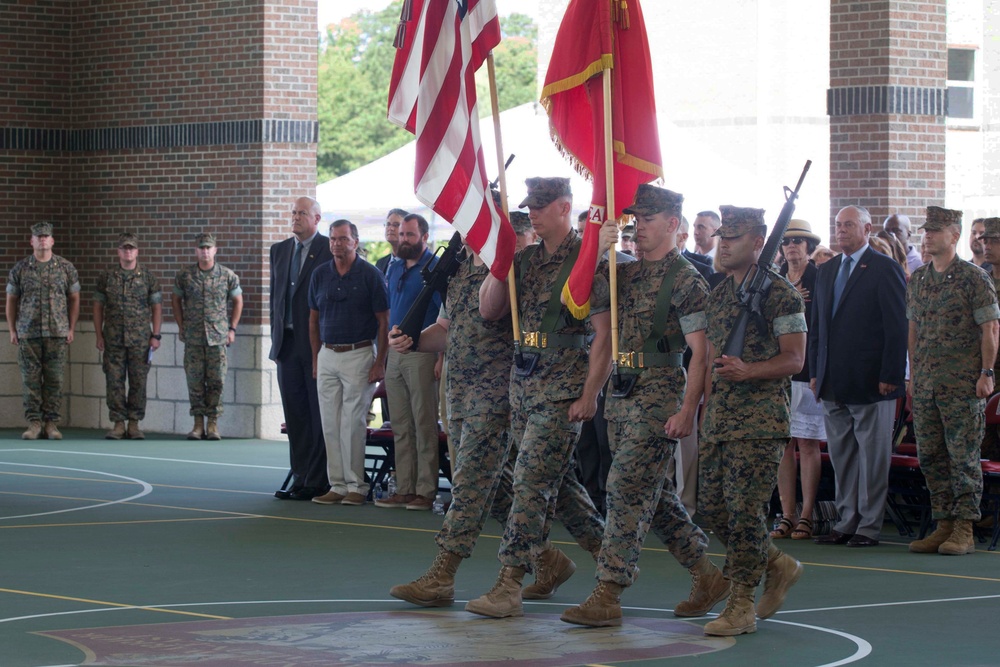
{"x": 804, "y": 530}
{"x": 783, "y": 530}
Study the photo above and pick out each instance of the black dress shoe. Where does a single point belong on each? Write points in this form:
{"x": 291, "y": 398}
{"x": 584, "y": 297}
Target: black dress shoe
{"x": 286, "y": 494}
{"x": 862, "y": 541}
{"x": 306, "y": 493}
{"x": 835, "y": 537}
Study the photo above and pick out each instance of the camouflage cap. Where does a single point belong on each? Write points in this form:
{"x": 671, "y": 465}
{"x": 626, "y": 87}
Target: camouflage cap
{"x": 544, "y": 191}
{"x": 737, "y": 221}
{"x": 41, "y": 229}
{"x": 939, "y": 218}
{"x": 628, "y": 231}
{"x": 128, "y": 239}
{"x": 205, "y": 240}
{"x": 992, "y": 226}
{"x": 520, "y": 221}
{"x": 650, "y": 200}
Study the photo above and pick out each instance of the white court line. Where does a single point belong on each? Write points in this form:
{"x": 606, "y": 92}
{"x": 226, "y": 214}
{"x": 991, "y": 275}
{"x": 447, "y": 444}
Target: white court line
{"x": 147, "y": 458}
{"x": 146, "y": 490}
{"x": 889, "y": 604}
{"x": 863, "y": 647}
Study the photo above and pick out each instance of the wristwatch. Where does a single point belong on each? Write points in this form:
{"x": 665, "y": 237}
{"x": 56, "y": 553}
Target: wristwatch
{"x": 988, "y": 372}
{"x": 156, "y": 336}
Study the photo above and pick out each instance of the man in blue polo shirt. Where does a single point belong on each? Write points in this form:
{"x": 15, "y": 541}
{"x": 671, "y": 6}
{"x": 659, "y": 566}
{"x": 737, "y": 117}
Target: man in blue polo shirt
{"x": 348, "y": 308}
{"x": 410, "y": 379}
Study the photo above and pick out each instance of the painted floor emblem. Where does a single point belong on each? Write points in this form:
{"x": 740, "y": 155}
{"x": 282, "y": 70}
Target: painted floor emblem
{"x": 387, "y": 638}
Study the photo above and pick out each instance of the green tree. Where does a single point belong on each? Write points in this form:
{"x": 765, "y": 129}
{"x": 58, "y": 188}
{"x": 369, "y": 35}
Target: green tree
{"x": 355, "y": 65}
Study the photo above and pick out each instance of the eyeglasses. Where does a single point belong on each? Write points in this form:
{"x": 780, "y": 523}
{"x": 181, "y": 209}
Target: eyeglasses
{"x": 796, "y": 240}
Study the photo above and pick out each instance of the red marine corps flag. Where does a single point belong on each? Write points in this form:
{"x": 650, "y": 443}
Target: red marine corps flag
{"x": 595, "y": 37}
{"x": 433, "y": 95}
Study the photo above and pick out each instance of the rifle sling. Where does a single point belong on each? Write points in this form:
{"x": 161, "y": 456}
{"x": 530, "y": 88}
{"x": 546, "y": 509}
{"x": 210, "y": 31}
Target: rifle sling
{"x": 551, "y": 321}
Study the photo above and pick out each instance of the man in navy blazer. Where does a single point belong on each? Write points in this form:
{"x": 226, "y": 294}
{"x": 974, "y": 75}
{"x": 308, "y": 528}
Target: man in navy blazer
{"x": 857, "y": 363}
{"x": 290, "y": 348}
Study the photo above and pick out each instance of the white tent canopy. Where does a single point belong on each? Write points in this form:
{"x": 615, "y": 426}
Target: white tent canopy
{"x": 365, "y": 195}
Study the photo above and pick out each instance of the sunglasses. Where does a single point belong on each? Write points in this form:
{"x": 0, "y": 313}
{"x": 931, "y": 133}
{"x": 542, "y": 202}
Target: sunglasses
{"x": 794, "y": 240}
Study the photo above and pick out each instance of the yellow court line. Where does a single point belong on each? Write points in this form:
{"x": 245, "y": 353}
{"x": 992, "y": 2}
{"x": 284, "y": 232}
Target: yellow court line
{"x": 851, "y": 567}
{"x": 114, "y": 604}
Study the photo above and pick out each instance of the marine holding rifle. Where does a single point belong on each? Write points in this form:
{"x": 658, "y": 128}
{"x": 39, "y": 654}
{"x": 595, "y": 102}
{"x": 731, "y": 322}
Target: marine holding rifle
{"x": 746, "y": 422}
{"x": 661, "y": 308}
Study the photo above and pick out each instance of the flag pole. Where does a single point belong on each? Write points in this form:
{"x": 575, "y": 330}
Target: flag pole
{"x": 495, "y": 109}
{"x": 609, "y": 176}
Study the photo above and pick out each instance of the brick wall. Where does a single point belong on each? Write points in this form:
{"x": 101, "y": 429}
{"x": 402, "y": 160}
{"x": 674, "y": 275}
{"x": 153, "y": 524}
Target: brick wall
{"x": 167, "y": 119}
{"x": 888, "y": 68}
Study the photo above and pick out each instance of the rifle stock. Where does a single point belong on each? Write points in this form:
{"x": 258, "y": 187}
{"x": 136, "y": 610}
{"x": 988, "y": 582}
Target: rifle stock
{"x": 435, "y": 280}
{"x": 754, "y": 288}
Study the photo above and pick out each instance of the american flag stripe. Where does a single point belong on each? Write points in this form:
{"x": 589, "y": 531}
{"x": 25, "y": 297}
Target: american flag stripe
{"x": 433, "y": 95}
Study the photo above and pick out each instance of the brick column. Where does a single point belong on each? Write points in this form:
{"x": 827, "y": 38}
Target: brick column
{"x": 167, "y": 119}
{"x": 888, "y": 72}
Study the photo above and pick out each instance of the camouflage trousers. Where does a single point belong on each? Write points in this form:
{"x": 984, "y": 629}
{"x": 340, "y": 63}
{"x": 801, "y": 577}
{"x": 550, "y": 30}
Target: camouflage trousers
{"x": 482, "y": 446}
{"x": 205, "y": 368}
{"x": 735, "y": 483}
{"x": 544, "y": 440}
{"x": 121, "y": 363}
{"x": 949, "y": 432}
{"x": 43, "y": 369}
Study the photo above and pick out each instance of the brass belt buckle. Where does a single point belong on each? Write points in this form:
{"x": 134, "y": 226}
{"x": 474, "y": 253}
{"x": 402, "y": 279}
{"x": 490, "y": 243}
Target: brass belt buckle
{"x": 630, "y": 359}
{"x": 534, "y": 339}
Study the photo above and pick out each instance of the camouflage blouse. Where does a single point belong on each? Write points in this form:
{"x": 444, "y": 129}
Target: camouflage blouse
{"x": 127, "y": 297}
{"x": 659, "y": 391}
{"x": 41, "y": 289}
{"x": 561, "y": 372}
{"x": 205, "y": 297}
{"x": 754, "y": 409}
{"x": 478, "y": 379}
{"x": 948, "y": 309}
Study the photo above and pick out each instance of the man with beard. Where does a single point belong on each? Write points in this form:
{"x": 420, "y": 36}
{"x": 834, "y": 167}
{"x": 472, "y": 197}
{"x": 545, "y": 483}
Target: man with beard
{"x": 411, "y": 379}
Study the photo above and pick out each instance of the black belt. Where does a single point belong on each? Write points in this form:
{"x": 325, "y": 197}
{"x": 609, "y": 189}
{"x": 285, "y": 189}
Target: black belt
{"x": 348, "y": 347}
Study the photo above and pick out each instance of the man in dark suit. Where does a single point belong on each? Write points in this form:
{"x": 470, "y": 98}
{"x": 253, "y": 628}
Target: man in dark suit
{"x": 290, "y": 349}
{"x": 857, "y": 360}
{"x": 392, "y": 223}
{"x": 703, "y": 263}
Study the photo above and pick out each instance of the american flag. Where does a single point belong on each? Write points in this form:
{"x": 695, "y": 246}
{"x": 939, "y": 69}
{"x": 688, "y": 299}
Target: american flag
{"x": 441, "y": 44}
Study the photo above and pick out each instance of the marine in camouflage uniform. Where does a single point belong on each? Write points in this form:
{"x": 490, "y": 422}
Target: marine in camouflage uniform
{"x": 953, "y": 345}
{"x": 746, "y": 426}
{"x": 201, "y": 296}
{"x": 991, "y": 241}
{"x": 127, "y": 301}
{"x": 547, "y": 406}
{"x": 661, "y": 308}
{"x": 43, "y": 304}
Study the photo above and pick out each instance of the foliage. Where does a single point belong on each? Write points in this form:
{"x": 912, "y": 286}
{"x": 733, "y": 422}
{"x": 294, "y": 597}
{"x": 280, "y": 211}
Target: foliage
{"x": 355, "y": 65}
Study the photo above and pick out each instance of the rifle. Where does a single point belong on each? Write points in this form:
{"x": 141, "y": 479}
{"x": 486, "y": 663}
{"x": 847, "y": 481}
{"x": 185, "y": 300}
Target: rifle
{"x": 754, "y": 289}
{"x": 435, "y": 280}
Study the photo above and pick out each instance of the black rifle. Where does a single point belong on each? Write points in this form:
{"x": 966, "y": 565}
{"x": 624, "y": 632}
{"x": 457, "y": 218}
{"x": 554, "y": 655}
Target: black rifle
{"x": 435, "y": 280}
{"x": 754, "y": 288}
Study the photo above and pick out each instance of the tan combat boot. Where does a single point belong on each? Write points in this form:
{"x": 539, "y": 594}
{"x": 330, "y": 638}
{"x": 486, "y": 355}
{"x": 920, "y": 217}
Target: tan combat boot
{"x": 931, "y": 543}
{"x": 552, "y": 570}
{"x": 961, "y": 541}
{"x": 34, "y": 430}
{"x": 738, "y": 616}
{"x": 504, "y": 599}
{"x": 198, "y": 432}
{"x": 602, "y": 609}
{"x": 436, "y": 587}
{"x": 52, "y": 431}
{"x": 133, "y": 430}
{"x": 708, "y": 588}
{"x": 782, "y": 573}
{"x": 117, "y": 432}
{"x": 212, "y": 432}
